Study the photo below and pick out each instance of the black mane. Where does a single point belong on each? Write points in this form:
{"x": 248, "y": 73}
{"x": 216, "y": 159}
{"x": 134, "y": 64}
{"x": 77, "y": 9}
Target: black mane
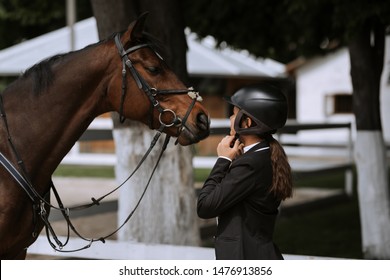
{"x": 43, "y": 76}
{"x": 42, "y": 73}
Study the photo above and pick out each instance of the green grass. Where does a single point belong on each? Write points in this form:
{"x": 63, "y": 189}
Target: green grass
{"x": 332, "y": 231}
{"x": 334, "y": 180}
{"x": 85, "y": 171}
{"x": 201, "y": 174}
{"x": 329, "y": 231}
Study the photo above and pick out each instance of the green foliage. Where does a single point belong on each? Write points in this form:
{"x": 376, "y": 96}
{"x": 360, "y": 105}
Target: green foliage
{"x": 283, "y": 29}
{"x": 22, "y": 19}
{"x": 38, "y": 12}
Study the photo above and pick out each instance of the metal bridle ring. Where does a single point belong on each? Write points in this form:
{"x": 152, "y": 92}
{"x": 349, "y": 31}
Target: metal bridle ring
{"x": 173, "y": 120}
{"x": 153, "y": 91}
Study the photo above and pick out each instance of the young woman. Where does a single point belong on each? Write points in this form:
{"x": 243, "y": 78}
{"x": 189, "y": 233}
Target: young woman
{"x": 250, "y": 178}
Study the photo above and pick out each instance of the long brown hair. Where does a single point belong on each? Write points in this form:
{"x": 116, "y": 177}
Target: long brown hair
{"x": 282, "y": 182}
{"x": 282, "y": 178}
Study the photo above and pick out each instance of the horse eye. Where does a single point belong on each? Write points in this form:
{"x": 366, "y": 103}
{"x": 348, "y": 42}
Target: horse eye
{"x": 153, "y": 70}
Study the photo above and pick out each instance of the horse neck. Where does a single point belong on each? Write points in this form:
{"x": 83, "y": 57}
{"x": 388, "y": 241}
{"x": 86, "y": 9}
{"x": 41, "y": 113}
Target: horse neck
{"x": 45, "y": 126}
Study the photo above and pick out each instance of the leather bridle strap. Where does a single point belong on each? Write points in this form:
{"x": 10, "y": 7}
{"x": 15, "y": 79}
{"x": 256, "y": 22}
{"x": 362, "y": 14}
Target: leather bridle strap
{"x": 142, "y": 84}
{"x": 21, "y": 178}
{"x": 18, "y": 177}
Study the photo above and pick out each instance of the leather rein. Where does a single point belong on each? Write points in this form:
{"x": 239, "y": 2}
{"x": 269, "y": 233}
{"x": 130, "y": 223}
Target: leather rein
{"x": 41, "y": 202}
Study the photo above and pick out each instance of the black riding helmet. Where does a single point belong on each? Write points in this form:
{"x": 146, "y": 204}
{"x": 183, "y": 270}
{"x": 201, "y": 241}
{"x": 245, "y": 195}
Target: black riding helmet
{"x": 266, "y": 105}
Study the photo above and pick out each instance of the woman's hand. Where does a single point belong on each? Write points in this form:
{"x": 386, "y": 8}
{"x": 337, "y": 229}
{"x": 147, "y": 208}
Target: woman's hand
{"x": 225, "y": 150}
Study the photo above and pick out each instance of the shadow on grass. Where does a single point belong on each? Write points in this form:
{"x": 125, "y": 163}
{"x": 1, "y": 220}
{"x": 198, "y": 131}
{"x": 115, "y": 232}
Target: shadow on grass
{"x": 331, "y": 231}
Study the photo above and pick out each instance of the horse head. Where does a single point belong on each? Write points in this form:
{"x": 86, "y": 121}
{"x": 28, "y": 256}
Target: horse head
{"x": 151, "y": 92}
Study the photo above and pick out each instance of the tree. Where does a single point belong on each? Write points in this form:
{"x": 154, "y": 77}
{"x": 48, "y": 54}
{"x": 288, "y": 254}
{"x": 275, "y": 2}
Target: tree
{"x": 167, "y": 212}
{"x": 285, "y": 30}
{"x": 366, "y": 49}
{"x": 21, "y": 20}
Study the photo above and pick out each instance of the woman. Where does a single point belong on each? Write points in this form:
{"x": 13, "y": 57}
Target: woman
{"x": 250, "y": 178}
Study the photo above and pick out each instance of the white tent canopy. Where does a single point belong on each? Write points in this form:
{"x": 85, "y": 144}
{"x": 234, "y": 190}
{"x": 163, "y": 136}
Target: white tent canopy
{"x": 203, "y": 59}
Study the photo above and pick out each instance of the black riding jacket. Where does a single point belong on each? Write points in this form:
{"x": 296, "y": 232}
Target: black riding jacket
{"x": 238, "y": 194}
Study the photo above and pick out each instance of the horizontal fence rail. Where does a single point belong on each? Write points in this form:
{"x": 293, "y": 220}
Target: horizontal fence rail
{"x": 309, "y": 155}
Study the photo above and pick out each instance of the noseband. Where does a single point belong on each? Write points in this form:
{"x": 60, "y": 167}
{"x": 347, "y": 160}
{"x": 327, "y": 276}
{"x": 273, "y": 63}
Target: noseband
{"x": 151, "y": 92}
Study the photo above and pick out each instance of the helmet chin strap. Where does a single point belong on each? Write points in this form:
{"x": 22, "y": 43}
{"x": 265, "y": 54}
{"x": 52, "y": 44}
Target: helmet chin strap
{"x": 259, "y": 129}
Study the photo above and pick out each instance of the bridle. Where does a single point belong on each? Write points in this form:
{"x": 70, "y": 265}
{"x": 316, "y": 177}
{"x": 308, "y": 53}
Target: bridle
{"x": 151, "y": 92}
{"x": 40, "y": 202}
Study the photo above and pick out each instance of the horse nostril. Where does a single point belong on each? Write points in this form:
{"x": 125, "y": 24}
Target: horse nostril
{"x": 203, "y": 122}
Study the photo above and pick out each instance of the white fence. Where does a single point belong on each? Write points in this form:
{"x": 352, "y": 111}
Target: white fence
{"x": 120, "y": 250}
{"x": 310, "y": 152}
{"x": 125, "y": 250}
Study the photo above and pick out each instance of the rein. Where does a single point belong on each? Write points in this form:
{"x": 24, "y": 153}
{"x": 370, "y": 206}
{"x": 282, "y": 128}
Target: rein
{"x": 39, "y": 202}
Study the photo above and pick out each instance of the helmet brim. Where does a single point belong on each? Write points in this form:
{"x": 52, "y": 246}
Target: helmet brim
{"x": 229, "y": 100}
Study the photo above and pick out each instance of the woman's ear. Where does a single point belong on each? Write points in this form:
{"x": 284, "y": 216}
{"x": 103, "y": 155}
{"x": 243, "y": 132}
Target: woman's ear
{"x": 246, "y": 122}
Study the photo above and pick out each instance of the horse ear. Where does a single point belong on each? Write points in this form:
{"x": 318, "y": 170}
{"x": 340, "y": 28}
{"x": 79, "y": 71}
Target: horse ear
{"x": 137, "y": 27}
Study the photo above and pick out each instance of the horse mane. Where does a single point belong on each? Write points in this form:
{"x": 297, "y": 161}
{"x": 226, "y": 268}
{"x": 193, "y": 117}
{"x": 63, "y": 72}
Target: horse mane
{"x": 41, "y": 73}
{"x": 43, "y": 76}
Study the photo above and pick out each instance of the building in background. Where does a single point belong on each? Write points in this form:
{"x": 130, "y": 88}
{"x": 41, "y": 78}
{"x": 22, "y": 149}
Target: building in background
{"x": 324, "y": 94}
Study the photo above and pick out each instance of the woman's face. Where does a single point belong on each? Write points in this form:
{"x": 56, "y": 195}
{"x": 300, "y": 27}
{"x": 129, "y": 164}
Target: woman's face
{"x": 232, "y": 119}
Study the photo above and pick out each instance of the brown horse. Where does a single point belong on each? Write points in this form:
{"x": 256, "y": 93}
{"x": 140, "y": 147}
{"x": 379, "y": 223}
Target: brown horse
{"x": 48, "y": 108}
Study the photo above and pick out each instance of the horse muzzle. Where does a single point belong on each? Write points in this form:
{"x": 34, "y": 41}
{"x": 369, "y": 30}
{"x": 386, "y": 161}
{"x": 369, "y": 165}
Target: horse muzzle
{"x": 193, "y": 132}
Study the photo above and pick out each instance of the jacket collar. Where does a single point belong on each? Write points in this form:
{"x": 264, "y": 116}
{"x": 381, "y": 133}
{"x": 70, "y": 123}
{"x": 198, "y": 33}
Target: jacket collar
{"x": 263, "y": 145}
